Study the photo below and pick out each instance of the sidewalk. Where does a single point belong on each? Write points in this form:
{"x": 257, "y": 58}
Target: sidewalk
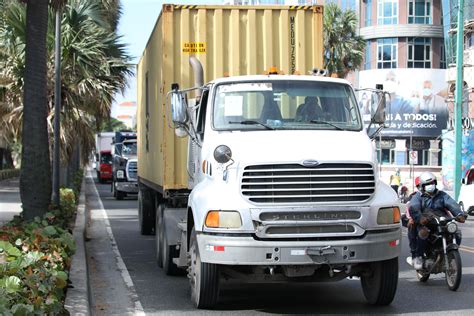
{"x": 10, "y": 203}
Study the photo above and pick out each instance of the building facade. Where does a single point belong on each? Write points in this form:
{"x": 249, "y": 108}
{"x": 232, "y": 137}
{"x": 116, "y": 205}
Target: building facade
{"x": 405, "y": 53}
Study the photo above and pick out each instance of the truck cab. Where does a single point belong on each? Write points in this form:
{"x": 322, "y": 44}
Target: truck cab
{"x": 104, "y": 166}
{"x": 283, "y": 185}
{"x": 124, "y": 165}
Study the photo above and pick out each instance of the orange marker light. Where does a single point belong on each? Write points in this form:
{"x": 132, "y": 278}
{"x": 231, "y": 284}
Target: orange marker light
{"x": 396, "y": 215}
{"x": 212, "y": 219}
{"x": 273, "y": 71}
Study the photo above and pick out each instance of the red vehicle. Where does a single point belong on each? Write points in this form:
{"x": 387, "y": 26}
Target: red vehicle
{"x": 104, "y": 171}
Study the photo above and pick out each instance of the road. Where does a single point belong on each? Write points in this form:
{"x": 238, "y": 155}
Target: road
{"x": 161, "y": 294}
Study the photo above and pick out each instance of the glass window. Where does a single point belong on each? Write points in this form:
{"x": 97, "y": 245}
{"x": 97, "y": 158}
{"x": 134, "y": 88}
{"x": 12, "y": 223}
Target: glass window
{"x": 419, "y": 52}
{"x": 388, "y": 156}
{"x": 106, "y": 158}
{"x": 470, "y": 40}
{"x": 368, "y": 13}
{"x": 368, "y": 56}
{"x": 387, "y": 12}
{"x": 419, "y": 12}
{"x": 442, "y": 58}
{"x": 129, "y": 149}
{"x": 387, "y": 53}
{"x": 285, "y": 104}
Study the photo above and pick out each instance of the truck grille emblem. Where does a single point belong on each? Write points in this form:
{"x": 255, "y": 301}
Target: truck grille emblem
{"x": 310, "y": 163}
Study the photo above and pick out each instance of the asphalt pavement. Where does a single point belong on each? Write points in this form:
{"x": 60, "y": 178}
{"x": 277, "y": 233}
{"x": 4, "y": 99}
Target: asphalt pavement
{"x": 10, "y": 202}
{"x": 152, "y": 292}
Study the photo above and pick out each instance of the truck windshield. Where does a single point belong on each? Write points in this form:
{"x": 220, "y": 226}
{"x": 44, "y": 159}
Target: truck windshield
{"x": 285, "y": 104}
{"x": 129, "y": 149}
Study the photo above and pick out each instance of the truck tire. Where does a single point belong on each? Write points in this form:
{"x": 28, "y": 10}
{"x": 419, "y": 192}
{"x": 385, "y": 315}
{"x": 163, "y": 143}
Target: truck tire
{"x": 146, "y": 221}
{"x": 158, "y": 234}
{"x": 120, "y": 195}
{"x": 380, "y": 284}
{"x": 168, "y": 253}
{"x": 203, "y": 278}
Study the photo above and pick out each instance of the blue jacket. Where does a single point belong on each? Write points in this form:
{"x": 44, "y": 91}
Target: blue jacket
{"x": 439, "y": 201}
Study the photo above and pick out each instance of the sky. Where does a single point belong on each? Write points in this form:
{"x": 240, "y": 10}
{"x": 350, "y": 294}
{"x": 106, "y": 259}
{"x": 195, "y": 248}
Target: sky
{"x": 135, "y": 26}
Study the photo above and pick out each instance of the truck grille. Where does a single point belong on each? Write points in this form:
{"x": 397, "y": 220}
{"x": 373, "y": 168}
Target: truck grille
{"x": 132, "y": 170}
{"x": 294, "y": 183}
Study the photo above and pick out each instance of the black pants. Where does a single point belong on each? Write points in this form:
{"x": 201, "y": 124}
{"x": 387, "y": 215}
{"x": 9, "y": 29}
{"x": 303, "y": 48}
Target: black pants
{"x": 395, "y": 187}
{"x": 422, "y": 243}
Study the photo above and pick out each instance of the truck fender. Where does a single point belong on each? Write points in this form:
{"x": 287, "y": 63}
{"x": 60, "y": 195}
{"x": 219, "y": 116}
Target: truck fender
{"x": 173, "y": 216}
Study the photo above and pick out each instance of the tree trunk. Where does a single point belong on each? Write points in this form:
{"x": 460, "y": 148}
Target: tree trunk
{"x": 35, "y": 177}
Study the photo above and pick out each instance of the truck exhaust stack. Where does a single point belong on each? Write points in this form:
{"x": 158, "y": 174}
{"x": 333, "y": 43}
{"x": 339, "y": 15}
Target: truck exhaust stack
{"x": 198, "y": 74}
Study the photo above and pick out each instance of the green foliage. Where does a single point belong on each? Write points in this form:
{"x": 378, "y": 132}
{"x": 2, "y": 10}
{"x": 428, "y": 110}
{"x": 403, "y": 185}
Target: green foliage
{"x": 343, "y": 48}
{"x": 112, "y": 125}
{"x": 34, "y": 260}
{"x": 94, "y": 67}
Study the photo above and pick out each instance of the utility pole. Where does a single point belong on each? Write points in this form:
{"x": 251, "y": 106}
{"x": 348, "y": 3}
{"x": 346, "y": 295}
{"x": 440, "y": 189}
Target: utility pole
{"x": 458, "y": 100}
{"x": 57, "y": 106}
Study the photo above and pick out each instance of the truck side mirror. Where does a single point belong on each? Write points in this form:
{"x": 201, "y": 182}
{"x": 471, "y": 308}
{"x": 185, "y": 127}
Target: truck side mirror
{"x": 380, "y": 105}
{"x": 178, "y": 108}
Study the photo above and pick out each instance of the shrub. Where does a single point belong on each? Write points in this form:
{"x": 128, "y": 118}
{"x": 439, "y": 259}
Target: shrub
{"x": 34, "y": 258}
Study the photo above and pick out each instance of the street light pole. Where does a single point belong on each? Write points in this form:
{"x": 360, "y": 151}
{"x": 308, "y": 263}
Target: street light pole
{"x": 57, "y": 107}
{"x": 458, "y": 100}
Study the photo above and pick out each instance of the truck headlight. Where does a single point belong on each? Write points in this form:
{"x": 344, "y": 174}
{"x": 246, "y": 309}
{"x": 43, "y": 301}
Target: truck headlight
{"x": 120, "y": 174}
{"x": 452, "y": 228}
{"x": 223, "y": 219}
{"x": 388, "y": 215}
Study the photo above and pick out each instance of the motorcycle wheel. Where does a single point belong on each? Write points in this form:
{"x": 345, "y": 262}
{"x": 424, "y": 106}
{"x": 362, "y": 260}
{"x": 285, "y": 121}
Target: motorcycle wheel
{"x": 454, "y": 272}
{"x": 422, "y": 277}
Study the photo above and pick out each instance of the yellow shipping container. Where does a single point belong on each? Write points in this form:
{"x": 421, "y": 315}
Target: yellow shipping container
{"x": 228, "y": 41}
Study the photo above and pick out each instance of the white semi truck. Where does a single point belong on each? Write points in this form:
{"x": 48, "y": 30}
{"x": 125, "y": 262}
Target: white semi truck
{"x": 274, "y": 178}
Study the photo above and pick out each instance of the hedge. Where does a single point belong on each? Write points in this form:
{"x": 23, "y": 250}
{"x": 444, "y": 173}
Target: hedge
{"x": 9, "y": 173}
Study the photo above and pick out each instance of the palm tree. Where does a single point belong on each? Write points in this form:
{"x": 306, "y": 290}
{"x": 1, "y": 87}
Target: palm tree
{"x": 35, "y": 175}
{"x": 94, "y": 68}
{"x": 343, "y": 48}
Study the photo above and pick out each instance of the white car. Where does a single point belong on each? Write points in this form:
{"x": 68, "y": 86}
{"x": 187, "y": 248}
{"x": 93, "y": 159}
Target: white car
{"x": 466, "y": 196}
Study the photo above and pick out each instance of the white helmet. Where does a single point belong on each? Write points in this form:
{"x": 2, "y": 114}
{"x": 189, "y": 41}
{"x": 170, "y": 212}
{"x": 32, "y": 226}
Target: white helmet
{"x": 428, "y": 182}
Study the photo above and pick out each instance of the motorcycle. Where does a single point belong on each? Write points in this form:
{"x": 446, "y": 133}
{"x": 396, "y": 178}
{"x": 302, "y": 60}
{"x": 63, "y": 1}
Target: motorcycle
{"x": 442, "y": 252}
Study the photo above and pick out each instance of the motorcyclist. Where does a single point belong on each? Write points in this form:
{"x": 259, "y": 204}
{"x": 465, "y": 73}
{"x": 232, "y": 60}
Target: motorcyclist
{"x": 430, "y": 201}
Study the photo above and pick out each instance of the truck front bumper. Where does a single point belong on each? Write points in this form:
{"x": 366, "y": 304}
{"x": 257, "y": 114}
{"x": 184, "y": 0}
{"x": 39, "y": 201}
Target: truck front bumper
{"x": 128, "y": 187}
{"x": 238, "y": 250}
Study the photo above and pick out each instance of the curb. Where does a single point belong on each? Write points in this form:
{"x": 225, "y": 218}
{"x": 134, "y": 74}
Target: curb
{"x": 78, "y": 297}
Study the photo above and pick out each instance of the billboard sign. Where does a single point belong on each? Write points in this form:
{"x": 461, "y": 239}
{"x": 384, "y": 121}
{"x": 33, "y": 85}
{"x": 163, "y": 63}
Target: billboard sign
{"x": 416, "y": 103}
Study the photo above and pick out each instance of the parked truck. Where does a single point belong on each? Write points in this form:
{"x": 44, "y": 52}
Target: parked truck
{"x": 103, "y": 156}
{"x": 124, "y": 164}
{"x": 260, "y": 177}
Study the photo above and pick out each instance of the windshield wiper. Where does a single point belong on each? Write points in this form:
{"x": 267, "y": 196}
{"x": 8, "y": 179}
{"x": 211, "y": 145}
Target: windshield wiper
{"x": 327, "y": 123}
{"x": 247, "y": 122}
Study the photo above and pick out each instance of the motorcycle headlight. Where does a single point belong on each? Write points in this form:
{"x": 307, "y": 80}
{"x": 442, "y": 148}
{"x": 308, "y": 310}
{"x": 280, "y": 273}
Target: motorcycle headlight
{"x": 452, "y": 227}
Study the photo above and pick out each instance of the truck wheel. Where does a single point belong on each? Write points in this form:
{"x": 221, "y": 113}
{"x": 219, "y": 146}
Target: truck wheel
{"x": 158, "y": 234}
{"x": 380, "y": 284}
{"x": 120, "y": 195}
{"x": 146, "y": 221}
{"x": 168, "y": 253}
{"x": 203, "y": 278}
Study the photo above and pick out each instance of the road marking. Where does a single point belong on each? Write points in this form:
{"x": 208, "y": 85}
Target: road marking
{"x": 120, "y": 263}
